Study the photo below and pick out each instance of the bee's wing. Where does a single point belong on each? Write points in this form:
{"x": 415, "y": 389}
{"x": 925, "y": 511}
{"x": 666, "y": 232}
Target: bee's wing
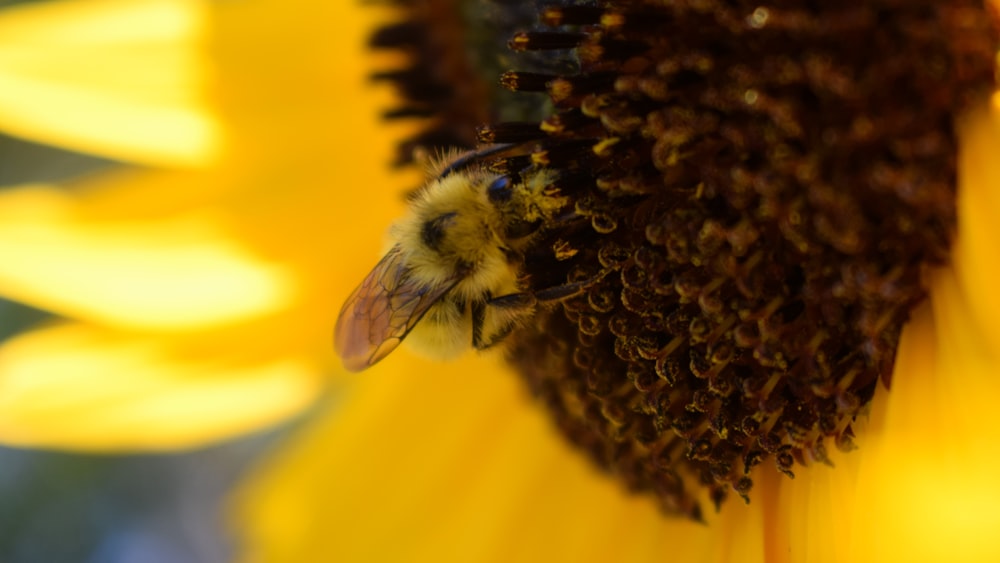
{"x": 382, "y": 310}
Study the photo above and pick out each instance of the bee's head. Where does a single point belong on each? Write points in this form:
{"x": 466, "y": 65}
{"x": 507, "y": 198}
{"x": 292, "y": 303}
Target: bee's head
{"x": 501, "y": 193}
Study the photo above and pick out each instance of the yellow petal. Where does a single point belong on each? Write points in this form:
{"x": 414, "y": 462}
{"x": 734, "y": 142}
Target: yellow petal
{"x": 454, "y": 464}
{"x": 296, "y": 86}
{"x": 975, "y": 256}
{"x": 78, "y": 387}
{"x": 124, "y": 79}
{"x": 127, "y": 249}
{"x": 813, "y": 516}
{"x": 927, "y": 489}
{"x": 172, "y": 271}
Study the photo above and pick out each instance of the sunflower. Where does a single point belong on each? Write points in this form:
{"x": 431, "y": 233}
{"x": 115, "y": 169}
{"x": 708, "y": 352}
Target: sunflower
{"x": 200, "y": 294}
{"x": 627, "y": 119}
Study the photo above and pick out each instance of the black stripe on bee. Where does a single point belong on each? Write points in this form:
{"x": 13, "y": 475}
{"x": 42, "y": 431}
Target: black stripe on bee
{"x": 432, "y": 232}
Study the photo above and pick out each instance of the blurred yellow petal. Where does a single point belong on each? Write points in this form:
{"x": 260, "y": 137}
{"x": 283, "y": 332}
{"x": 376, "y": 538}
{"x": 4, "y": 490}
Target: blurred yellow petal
{"x": 177, "y": 271}
{"x": 123, "y": 79}
{"x": 975, "y": 256}
{"x": 454, "y": 463}
{"x": 928, "y": 489}
{"x": 136, "y": 392}
{"x": 244, "y": 260}
{"x": 293, "y": 83}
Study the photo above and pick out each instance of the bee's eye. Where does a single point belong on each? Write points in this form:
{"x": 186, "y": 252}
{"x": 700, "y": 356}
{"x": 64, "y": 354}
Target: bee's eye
{"x": 432, "y": 232}
{"x": 499, "y": 190}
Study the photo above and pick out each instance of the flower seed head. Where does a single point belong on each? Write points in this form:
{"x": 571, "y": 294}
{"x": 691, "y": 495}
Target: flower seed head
{"x": 756, "y": 193}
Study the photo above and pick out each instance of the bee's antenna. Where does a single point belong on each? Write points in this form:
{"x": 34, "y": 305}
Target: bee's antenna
{"x": 474, "y": 156}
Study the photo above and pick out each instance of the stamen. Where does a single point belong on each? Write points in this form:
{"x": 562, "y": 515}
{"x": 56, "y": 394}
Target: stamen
{"x": 544, "y": 40}
{"x": 509, "y": 132}
{"x": 526, "y": 81}
{"x": 582, "y": 14}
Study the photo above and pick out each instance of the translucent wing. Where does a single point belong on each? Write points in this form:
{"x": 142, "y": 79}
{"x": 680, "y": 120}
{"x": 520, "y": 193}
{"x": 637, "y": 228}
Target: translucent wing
{"x": 383, "y": 310}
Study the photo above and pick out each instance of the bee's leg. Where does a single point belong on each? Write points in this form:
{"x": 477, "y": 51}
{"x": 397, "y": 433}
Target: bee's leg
{"x": 494, "y": 338}
{"x": 563, "y": 291}
{"x": 478, "y": 320}
{"x": 471, "y": 157}
{"x": 491, "y": 325}
{"x": 526, "y": 300}
{"x": 513, "y": 308}
{"x": 497, "y": 335}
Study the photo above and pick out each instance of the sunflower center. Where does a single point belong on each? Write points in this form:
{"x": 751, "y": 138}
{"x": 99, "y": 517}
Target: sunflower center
{"x": 757, "y": 191}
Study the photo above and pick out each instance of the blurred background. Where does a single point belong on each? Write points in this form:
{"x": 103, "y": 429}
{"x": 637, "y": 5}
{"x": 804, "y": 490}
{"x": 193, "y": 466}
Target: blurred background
{"x": 60, "y": 507}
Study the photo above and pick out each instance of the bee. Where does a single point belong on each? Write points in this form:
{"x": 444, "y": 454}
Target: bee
{"x": 453, "y": 276}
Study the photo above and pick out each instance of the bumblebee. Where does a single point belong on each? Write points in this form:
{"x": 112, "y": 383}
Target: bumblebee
{"x": 453, "y": 276}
